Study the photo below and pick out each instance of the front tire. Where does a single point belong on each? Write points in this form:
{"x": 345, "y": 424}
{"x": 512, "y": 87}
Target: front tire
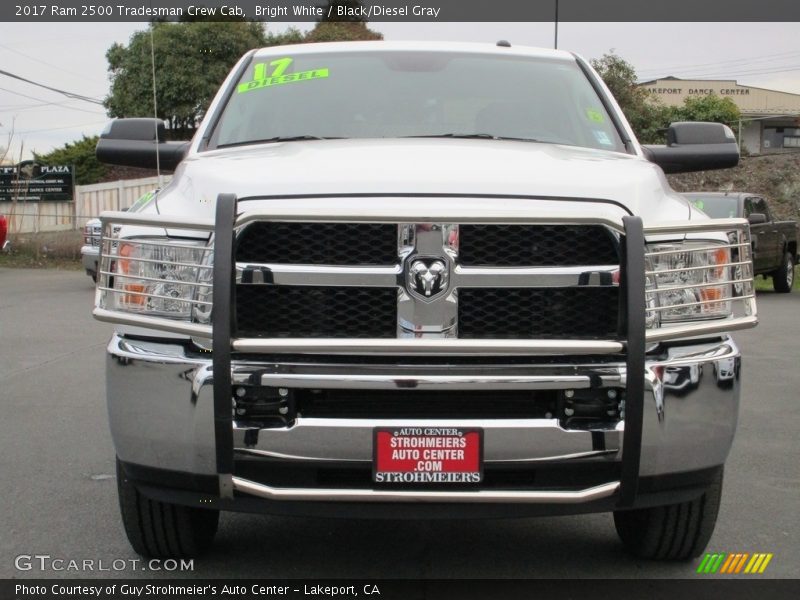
{"x": 783, "y": 278}
{"x": 162, "y": 530}
{"x": 674, "y": 532}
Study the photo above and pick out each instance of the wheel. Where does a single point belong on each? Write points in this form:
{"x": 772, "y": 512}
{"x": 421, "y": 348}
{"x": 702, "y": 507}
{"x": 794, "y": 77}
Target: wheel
{"x": 94, "y": 277}
{"x": 783, "y": 278}
{"x": 673, "y": 532}
{"x": 161, "y": 530}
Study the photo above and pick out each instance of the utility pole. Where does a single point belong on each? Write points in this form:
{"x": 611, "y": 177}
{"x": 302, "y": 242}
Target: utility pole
{"x": 739, "y": 134}
{"x": 555, "y": 43}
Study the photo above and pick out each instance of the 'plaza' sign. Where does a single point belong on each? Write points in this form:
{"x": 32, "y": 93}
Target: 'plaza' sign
{"x": 31, "y": 182}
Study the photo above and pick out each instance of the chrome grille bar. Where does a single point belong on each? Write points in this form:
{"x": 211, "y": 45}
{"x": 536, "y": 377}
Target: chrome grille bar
{"x": 421, "y": 346}
{"x": 700, "y": 303}
{"x": 534, "y": 276}
{"x": 278, "y": 274}
{"x": 281, "y": 274}
{"x": 683, "y": 269}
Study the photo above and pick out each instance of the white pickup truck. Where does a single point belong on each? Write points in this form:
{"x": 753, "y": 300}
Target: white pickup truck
{"x": 442, "y": 280}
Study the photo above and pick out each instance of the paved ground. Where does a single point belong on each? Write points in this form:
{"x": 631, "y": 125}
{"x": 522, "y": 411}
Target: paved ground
{"x": 59, "y": 498}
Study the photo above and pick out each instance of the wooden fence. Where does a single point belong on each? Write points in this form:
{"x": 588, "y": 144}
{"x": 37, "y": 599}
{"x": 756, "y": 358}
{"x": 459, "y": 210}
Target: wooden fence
{"x": 90, "y": 201}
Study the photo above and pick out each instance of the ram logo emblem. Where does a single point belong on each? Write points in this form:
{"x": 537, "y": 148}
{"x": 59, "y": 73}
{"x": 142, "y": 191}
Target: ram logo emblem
{"x": 427, "y": 277}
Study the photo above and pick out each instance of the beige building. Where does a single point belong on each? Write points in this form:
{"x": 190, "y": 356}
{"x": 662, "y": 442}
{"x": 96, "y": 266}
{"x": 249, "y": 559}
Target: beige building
{"x": 770, "y": 119}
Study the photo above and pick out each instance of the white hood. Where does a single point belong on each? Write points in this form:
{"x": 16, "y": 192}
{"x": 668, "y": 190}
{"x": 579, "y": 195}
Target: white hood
{"x": 421, "y": 166}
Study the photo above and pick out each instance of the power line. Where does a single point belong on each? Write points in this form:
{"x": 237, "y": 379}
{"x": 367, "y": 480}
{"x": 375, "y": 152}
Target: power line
{"x": 783, "y": 69}
{"x": 26, "y": 106}
{"x": 44, "y": 108}
{"x": 735, "y": 74}
{"x": 31, "y": 97}
{"x": 33, "y": 58}
{"x": 696, "y": 66}
{"x": 44, "y": 103}
{"x": 729, "y": 75}
{"x": 11, "y": 108}
{"x": 56, "y": 128}
{"x": 52, "y": 89}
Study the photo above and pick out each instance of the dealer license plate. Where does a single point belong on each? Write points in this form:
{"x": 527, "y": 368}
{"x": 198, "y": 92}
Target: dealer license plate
{"x": 427, "y": 455}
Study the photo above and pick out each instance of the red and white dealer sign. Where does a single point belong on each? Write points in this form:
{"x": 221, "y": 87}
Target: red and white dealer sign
{"x": 428, "y": 455}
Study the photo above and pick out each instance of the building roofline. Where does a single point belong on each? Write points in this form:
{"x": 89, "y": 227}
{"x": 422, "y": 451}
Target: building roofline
{"x": 734, "y": 81}
{"x": 760, "y": 114}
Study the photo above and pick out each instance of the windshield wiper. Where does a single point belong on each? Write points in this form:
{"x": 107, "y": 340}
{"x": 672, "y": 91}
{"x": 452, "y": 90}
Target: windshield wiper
{"x": 288, "y": 138}
{"x": 475, "y": 136}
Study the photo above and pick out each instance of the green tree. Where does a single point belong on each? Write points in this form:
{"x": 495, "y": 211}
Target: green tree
{"x": 191, "y": 61}
{"x": 341, "y": 31}
{"x": 290, "y": 36}
{"x": 647, "y": 116}
{"x": 708, "y": 108}
{"x": 345, "y": 27}
{"x": 81, "y": 154}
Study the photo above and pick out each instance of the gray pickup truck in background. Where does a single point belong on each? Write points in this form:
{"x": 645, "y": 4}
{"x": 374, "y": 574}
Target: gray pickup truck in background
{"x": 774, "y": 242}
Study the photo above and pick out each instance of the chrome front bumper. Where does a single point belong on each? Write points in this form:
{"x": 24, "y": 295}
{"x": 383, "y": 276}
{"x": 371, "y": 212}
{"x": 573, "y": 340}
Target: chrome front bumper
{"x": 161, "y": 410}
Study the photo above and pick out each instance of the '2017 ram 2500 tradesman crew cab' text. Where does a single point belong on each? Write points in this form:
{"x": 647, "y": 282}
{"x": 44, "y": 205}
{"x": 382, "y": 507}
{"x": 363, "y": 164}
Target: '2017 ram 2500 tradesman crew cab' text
{"x": 443, "y": 280}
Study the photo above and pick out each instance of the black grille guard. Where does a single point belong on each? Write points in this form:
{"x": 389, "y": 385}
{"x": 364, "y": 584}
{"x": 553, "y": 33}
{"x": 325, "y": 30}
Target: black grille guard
{"x": 633, "y": 282}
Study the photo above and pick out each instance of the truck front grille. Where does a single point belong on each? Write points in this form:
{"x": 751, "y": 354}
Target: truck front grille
{"x": 318, "y": 243}
{"x": 315, "y": 312}
{"x": 536, "y": 245}
{"x": 409, "y": 403}
{"x": 427, "y": 280}
{"x": 538, "y": 313}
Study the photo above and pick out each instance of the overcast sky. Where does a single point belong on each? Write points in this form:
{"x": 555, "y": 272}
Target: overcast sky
{"x": 71, "y": 56}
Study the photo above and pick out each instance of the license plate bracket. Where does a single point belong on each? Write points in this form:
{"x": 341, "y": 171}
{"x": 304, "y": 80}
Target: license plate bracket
{"x": 432, "y": 455}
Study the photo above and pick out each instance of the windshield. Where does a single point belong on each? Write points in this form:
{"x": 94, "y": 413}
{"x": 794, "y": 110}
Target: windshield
{"x": 414, "y": 94}
{"x": 716, "y": 207}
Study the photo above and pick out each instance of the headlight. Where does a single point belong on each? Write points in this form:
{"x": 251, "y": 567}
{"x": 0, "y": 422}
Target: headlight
{"x": 161, "y": 277}
{"x": 687, "y": 281}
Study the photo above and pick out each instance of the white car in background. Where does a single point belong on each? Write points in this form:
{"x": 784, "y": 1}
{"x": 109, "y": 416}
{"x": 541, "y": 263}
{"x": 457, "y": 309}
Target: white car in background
{"x": 725, "y": 372}
{"x": 90, "y": 250}
{"x": 92, "y": 231}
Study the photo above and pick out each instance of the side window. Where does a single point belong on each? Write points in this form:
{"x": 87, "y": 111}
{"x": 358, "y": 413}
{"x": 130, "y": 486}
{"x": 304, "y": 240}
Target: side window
{"x": 760, "y": 206}
{"x": 748, "y": 207}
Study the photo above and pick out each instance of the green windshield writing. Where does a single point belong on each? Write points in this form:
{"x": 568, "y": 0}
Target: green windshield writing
{"x": 595, "y": 115}
{"x": 278, "y": 75}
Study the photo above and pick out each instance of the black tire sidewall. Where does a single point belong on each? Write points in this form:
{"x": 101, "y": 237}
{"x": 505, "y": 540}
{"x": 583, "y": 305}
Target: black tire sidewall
{"x": 781, "y": 276}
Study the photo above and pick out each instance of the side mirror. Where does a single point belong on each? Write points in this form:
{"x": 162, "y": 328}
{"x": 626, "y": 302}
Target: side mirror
{"x": 695, "y": 146}
{"x": 757, "y": 218}
{"x": 139, "y": 143}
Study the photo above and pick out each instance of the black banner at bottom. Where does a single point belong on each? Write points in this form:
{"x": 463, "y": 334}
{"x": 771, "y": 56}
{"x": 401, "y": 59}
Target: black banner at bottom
{"x": 251, "y": 589}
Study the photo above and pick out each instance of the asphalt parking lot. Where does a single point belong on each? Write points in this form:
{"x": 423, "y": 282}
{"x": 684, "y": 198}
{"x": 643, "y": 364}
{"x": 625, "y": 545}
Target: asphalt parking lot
{"x": 59, "y": 492}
